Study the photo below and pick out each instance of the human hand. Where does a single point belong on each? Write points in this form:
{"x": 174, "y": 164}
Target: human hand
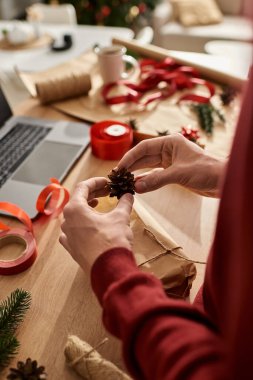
{"x": 87, "y": 233}
{"x": 178, "y": 161}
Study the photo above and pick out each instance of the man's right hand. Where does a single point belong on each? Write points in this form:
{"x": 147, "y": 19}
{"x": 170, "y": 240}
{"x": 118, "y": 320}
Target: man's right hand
{"x": 178, "y": 161}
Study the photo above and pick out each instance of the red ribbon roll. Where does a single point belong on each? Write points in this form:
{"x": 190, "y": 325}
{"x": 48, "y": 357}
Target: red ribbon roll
{"x": 47, "y": 203}
{"x": 28, "y": 256}
{"x": 110, "y": 139}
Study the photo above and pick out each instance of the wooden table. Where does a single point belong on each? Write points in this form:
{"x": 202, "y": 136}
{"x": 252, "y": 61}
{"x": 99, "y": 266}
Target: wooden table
{"x": 62, "y": 299}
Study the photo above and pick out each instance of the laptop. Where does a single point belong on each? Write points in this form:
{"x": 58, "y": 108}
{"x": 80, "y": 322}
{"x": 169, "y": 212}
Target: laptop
{"x": 34, "y": 150}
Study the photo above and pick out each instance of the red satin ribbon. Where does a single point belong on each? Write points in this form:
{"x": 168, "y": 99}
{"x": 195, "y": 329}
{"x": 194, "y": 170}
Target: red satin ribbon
{"x": 110, "y": 147}
{"x": 52, "y": 206}
{"x": 166, "y": 76}
{"x": 47, "y": 203}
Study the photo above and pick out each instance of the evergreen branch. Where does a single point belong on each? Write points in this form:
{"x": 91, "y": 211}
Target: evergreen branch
{"x": 219, "y": 114}
{"x": 8, "y": 349}
{"x": 12, "y": 311}
{"x": 206, "y": 113}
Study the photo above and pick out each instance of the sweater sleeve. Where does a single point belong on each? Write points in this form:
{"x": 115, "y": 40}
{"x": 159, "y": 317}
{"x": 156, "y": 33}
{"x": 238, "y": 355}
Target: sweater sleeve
{"x": 162, "y": 338}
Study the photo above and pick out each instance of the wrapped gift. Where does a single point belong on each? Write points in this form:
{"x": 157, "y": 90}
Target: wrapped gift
{"x": 156, "y": 252}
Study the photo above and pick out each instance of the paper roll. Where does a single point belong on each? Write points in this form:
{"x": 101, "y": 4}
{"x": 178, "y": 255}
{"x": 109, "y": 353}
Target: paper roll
{"x": 159, "y": 53}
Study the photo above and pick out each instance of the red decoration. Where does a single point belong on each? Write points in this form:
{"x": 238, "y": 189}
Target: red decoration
{"x": 142, "y": 7}
{"x": 191, "y": 134}
{"x": 105, "y": 10}
{"x": 173, "y": 76}
{"x": 110, "y": 146}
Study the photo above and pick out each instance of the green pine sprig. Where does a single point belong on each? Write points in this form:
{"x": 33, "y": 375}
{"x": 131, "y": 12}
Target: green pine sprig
{"x": 9, "y": 346}
{"x": 206, "y": 114}
{"x": 12, "y": 312}
{"x": 13, "y": 309}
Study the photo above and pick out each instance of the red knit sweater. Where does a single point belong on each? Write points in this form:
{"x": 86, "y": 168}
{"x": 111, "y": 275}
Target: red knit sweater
{"x": 167, "y": 339}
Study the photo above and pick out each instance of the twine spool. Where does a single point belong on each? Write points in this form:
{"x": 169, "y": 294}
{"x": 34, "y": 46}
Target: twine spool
{"x": 88, "y": 363}
{"x": 63, "y": 87}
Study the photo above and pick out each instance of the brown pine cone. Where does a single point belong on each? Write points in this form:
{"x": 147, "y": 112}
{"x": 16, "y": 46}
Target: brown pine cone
{"x": 27, "y": 371}
{"x": 122, "y": 182}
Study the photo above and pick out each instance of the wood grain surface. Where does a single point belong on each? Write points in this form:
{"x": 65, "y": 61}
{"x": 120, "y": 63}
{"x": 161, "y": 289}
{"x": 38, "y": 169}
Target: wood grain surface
{"x": 62, "y": 300}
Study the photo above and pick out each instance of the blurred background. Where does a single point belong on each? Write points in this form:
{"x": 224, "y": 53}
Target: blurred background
{"x": 126, "y": 13}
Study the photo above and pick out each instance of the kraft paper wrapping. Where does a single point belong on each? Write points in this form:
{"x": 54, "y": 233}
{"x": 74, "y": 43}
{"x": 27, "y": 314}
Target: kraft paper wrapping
{"x": 165, "y": 115}
{"x": 156, "y": 252}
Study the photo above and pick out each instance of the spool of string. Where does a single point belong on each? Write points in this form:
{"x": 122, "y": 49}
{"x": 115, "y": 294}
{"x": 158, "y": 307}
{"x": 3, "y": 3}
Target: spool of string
{"x": 88, "y": 363}
{"x": 62, "y": 87}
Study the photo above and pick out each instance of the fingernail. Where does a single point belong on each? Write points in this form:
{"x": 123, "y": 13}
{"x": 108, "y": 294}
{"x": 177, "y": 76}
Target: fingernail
{"x": 140, "y": 186}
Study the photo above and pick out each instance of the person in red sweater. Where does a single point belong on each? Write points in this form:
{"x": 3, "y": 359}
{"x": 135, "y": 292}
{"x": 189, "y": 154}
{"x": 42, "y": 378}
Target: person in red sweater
{"x": 163, "y": 338}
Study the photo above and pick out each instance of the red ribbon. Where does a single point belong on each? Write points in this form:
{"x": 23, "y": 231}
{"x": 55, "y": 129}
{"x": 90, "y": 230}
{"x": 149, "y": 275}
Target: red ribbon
{"x": 52, "y": 206}
{"x": 166, "y": 76}
{"x": 47, "y": 203}
{"x": 110, "y": 147}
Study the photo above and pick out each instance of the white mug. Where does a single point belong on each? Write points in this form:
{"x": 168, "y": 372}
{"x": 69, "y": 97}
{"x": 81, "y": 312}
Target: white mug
{"x": 112, "y": 61}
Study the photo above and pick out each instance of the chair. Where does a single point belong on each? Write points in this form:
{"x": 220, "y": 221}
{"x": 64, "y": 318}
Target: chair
{"x": 52, "y": 14}
{"x": 170, "y": 34}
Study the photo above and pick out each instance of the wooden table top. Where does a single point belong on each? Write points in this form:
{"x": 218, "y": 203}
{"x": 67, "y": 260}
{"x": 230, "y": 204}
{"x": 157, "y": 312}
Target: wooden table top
{"x": 62, "y": 300}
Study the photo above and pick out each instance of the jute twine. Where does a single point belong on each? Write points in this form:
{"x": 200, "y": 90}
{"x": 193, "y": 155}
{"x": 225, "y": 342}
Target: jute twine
{"x": 166, "y": 252}
{"x": 63, "y": 87}
{"x": 88, "y": 363}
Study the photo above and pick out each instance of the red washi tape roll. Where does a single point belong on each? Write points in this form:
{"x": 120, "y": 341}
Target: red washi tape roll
{"x": 110, "y": 139}
{"x": 24, "y": 237}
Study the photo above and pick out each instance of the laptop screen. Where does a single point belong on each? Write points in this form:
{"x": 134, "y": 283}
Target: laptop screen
{"x": 5, "y": 110}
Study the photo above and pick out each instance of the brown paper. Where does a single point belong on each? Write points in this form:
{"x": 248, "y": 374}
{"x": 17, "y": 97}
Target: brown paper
{"x": 156, "y": 252}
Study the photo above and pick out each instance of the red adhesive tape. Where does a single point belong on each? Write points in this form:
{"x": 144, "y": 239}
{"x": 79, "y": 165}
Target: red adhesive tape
{"x": 47, "y": 203}
{"x": 110, "y": 139}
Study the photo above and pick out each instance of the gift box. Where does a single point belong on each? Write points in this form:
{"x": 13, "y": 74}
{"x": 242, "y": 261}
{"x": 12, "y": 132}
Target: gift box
{"x": 156, "y": 252}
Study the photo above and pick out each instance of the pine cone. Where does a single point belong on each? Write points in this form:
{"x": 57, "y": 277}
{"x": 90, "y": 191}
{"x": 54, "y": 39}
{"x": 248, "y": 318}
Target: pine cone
{"x": 27, "y": 371}
{"x": 228, "y": 94}
{"x": 122, "y": 182}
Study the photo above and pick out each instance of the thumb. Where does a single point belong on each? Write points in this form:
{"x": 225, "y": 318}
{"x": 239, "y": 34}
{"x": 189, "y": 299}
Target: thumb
{"x": 156, "y": 179}
{"x": 126, "y": 203}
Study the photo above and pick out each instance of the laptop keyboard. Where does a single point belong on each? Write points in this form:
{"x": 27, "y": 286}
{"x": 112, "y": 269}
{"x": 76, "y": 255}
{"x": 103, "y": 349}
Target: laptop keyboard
{"x": 16, "y": 145}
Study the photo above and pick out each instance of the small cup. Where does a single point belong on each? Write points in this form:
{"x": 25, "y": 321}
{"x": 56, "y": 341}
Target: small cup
{"x": 112, "y": 63}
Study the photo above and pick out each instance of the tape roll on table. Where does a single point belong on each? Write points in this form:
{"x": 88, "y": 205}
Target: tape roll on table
{"x": 27, "y": 257}
{"x": 110, "y": 139}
